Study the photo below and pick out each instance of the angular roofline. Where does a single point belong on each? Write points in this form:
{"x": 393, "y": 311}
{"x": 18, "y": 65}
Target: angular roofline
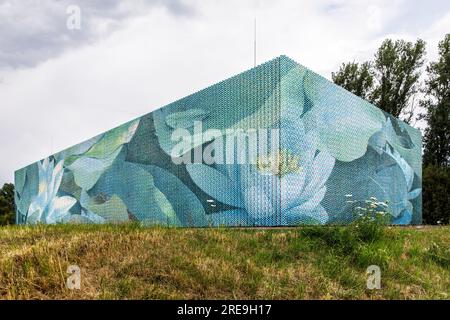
{"x": 281, "y": 58}
{"x": 175, "y": 101}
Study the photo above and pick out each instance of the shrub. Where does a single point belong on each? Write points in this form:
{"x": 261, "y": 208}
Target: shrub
{"x": 367, "y": 227}
{"x": 7, "y": 219}
{"x": 370, "y": 220}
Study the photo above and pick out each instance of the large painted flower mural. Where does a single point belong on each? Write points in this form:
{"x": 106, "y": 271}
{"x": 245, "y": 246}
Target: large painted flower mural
{"x": 331, "y": 143}
{"x": 47, "y": 207}
{"x": 294, "y": 182}
{"x": 303, "y": 191}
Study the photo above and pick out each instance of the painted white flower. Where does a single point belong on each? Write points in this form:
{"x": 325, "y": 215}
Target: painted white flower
{"x": 293, "y": 183}
{"x": 46, "y": 206}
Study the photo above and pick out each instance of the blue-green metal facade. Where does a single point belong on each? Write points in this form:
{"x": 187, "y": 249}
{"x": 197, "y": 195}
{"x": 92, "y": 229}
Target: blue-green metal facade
{"x": 332, "y": 153}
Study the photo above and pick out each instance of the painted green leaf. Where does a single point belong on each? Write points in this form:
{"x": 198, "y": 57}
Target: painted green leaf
{"x": 112, "y": 140}
{"x": 87, "y": 171}
{"x": 113, "y": 210}
{"x": 71, "y": 154}
{"x": 185, "y": 119}
{"x": 343, "y": 122}
{"x": 136, "y": 187}
{"x": 30, "y": 188}
{"x": 166, "y": 207}
{"x": 19, "y": 180}
{"x": 69, "y": 186}
{"x": 292, "y": 93}
{"x": 188, "y": 208}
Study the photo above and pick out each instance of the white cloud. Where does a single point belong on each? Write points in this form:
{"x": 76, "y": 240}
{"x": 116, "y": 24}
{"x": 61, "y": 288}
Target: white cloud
{"x": 156, "y": 57}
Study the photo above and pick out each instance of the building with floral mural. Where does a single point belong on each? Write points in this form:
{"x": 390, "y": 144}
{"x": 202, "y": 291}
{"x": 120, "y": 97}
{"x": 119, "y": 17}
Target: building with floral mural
{"x": 277, "y": 145}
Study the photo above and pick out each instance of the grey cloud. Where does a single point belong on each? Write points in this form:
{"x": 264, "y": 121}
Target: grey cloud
{"x": 34, "y": 31}
{"x": 417, "y": 16}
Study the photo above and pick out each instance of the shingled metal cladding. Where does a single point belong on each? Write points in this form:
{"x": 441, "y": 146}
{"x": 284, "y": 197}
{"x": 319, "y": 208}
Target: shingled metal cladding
{"x": 326, "y": 144}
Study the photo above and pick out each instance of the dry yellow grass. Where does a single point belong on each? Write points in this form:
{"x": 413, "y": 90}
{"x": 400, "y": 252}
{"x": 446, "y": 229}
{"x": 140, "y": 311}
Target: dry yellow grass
{"x": 132, "y": 262}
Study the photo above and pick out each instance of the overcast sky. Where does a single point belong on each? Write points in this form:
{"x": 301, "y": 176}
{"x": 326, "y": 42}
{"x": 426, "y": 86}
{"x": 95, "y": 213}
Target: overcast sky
{"x": 61, "y": 86}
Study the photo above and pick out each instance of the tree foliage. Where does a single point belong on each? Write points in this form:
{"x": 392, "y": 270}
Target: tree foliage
{"x": 437, "y": 105}
{"x": 436, "y": 194}
{"x": 356, "y": 78}
{"x": 7, "y": 208}
{"x": 397, "y": 66}
{"x": 390, "y": 80}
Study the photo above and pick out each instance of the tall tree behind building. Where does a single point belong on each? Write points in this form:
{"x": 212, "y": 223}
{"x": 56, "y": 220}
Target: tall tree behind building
{"x": 398, "y": 67}
{"x": 437, "y": 106}
{"x": 436, "y": 158}
{"x": 391, "y": 80}
{"x": 356, "y": 78}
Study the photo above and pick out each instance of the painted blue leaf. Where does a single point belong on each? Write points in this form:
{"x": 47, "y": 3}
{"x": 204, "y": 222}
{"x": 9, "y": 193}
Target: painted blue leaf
{"x": 69, "y": 186}
{"x": 378, "y": 141}
{"x": 390, "y": 184}
{"x": 414, "y": 193}
{"x": 59, "y": 209}
{"x": 216, "y": 184}
{"x": 404, "y": 218}
{"x": 411, "y": 153}
{"x": 406, "y": 168}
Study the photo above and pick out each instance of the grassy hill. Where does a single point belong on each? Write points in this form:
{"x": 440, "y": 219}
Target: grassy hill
{"x": 128, "y": 261}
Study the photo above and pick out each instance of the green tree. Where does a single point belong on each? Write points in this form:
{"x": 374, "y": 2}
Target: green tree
{"x": 7, "y": 207}
{"x": 436, "y": 194}
{"x": 398, "y": 65}
{"x": 391, "y": 80}
{"x": 437, "y": 106}
{"x": 356, "y": 78}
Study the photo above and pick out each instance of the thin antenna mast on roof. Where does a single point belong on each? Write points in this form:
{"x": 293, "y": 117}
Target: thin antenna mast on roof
{"x": 254, "y": 44}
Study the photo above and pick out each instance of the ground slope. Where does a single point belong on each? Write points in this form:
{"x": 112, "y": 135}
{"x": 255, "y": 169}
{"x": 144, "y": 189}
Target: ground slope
{"x": 129, "y": 261}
